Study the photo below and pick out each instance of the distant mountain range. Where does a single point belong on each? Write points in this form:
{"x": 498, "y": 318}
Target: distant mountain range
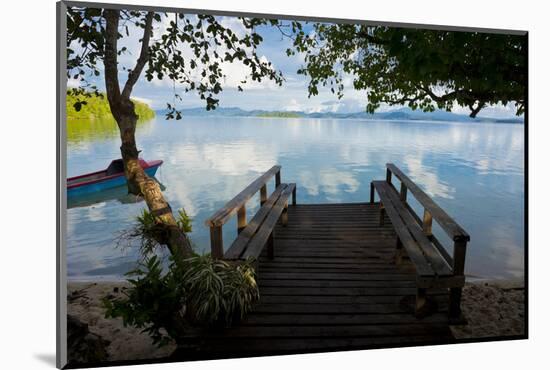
{"x": 402, "y": 114}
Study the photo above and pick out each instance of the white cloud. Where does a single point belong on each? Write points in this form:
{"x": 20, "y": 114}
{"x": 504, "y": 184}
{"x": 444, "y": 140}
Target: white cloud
{"x": 292, "y": 95}
{"x": 73, "y": 83}
{"x": 149, "y": 102}
{"x": 344, "y": 106}
{"x": 235, "y": 25}
{"x": 235, "y": 72}
{"x": 293, "y": 105}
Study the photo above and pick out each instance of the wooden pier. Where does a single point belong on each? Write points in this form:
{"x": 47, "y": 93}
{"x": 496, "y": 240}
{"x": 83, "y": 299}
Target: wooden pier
{"x": 328, "y": 281}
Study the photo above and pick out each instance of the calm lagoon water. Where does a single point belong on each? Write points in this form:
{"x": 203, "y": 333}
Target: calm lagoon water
{"x": 474, "y": 171}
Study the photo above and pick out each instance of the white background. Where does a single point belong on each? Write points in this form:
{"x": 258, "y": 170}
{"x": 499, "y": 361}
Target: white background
{"x": 27, "y": 185}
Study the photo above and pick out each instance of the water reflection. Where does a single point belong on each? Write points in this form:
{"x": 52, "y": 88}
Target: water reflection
{"x": 475, "y": 171}
{"x": 82, "y": 131}
{"x": 427, "y": 178}
{"x": 119, "y": 194}
{"x": 328, "y": 181}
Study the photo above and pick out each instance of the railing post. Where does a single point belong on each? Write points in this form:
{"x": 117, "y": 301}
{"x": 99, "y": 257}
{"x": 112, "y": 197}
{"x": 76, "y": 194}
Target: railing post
{"x": 278, "y": 178}
{"x": 459, "y": 257}
{"x": 420, "y": 301}
{"x": 216, "y": 242}
{"x": 388, "y": 176}
{"x": 263, "y": 194}
{"x": 403, "y": 192}
{"x": 455, "y": 296}
{"x": 270, "y": 247}
{"x": 398, "y": 252}
{"x": 294, "y": 196}
{"x": 371, "y": 193}
{"x": 427, "y": 222}
{"x": 241, "y": 218}
{"x": 284, "y": 215}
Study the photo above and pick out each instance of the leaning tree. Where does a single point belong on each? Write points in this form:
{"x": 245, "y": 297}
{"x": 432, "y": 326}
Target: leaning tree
{"x": 415, "y": 67}
{"x": 191, "y": 51}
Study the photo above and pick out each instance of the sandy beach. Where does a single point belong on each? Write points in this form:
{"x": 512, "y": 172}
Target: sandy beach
{"x": 126, "y": 343}
{"x": 492, "y": 308}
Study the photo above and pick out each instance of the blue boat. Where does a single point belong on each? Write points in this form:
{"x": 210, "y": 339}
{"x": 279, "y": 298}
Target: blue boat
{"x": 111, "y": 177}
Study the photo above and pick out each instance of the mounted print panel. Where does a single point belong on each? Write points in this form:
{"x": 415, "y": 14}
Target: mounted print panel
{"x": 240, "y": 185}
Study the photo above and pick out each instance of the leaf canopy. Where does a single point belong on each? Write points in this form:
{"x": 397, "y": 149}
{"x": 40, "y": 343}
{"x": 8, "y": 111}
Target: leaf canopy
{"x": 425, "y": 69}
{"x": 191, "y": 51}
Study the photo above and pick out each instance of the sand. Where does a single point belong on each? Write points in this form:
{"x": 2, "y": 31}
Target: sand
{"x": 127, "y": 343}
{"x": 492, "y": 308}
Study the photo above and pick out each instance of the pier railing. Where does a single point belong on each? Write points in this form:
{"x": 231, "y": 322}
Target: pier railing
{"x": 237, "y": 205}
{"x": 431, "y": 211}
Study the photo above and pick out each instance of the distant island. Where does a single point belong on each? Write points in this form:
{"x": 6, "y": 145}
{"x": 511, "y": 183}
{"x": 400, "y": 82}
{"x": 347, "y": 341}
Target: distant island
{"x": 402, "y": 114}
{"x": 97, "y": 108}
{"x": 279, "y": 114}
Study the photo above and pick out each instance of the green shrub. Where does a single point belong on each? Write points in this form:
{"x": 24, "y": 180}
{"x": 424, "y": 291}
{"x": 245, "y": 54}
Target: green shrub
{"x": 152, "y": 303}
{"x": 197, "y": 292}
{"x": 184, "y": 221}
{"x": 201, "y": 292}
{"x": 218, "y": 292}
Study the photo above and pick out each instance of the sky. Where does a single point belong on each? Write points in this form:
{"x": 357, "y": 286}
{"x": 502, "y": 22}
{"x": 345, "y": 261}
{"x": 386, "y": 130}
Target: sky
{"x": 291, "y": 96}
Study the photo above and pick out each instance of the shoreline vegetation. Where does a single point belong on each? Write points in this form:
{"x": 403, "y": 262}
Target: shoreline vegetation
{"x": 279, "y": 114}
{"x": 94, "y": 120}
{"x": 493, "y": 308}
{"x": 97, "y": 108}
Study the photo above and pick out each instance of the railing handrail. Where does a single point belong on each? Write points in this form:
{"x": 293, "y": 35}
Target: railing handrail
{"x": 221, "y": 216}
{"x": 447, "y": 223}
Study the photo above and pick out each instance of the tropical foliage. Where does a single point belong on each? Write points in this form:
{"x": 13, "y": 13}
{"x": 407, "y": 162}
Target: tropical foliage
{"x": 149, "y": 234}
{"x": 96, "y": 107}
{"x": 210, "y": 44}
{"x": 416, "y": 67}
{"x": 165, "y": 301}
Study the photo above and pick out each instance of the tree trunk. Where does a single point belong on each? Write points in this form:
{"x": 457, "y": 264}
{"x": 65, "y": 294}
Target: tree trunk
{"x": 141, "y": 184}
{"x": 123, "y": 111}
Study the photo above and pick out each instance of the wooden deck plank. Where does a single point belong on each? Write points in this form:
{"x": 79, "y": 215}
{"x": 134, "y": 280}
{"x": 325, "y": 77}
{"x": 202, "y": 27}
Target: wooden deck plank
{"x": 247, "y": 347}
{"x": 326, "y": 300}
{"x": 330, "y": 331}
{"x": 343, "y": 319}
{"x": 333, "y": 285}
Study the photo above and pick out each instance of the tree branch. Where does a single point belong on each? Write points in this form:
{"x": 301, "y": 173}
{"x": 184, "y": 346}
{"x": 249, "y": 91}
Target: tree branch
{"x": 370, "y": 38}
{"x": 442, "y": 98}
{"x": 143, "y": 57}
{"x": 476, "y": 110}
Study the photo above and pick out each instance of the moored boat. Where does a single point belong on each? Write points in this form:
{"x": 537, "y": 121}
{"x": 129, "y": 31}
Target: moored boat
{"x": 110, "y": 177}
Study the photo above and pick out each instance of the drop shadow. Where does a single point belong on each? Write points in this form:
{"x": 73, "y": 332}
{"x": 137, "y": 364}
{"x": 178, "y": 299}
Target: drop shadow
{"x": 46, "y": 358}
